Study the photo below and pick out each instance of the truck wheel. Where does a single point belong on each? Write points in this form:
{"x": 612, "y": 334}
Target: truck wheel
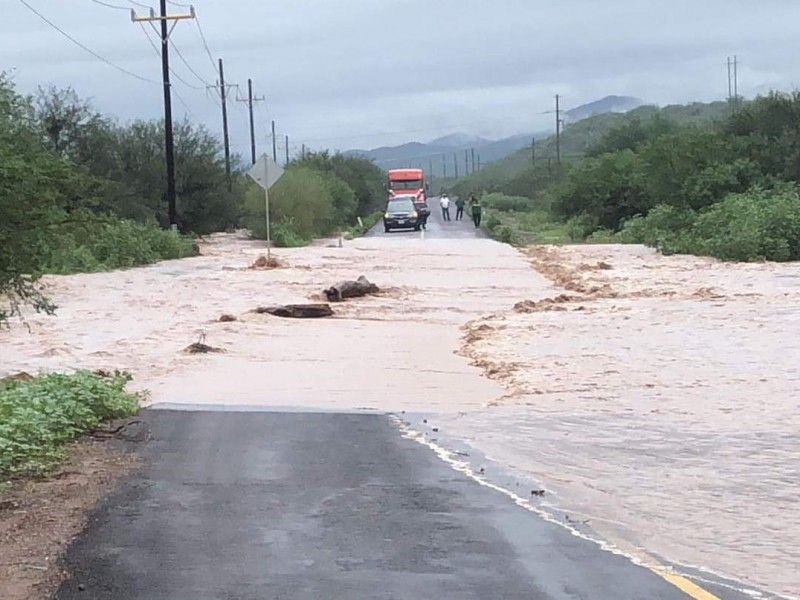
{"x": 416, "y": 227}
{"x": 387, "y": 229}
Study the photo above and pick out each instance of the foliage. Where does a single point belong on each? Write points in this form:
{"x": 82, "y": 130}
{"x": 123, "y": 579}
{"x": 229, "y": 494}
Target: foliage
{"x": 38, "y": 417}
{"x": 756, "y": 225}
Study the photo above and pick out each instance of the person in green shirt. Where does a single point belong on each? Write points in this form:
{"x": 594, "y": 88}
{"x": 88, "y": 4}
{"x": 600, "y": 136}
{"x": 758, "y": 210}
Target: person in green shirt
{"x": 475, "y": 209}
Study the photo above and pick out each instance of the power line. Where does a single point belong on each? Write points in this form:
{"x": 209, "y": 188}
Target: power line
{"x": 85, "y": 48}
{"x": 171, "y": 70}
{"x": 174, "y": 91}
{"x": 205, "y": 44}
{"x": 106, "y": 4}
{"x": 179, "y": 4}
{"x": 140, "y": 4}
{"x": 188, "y": 66}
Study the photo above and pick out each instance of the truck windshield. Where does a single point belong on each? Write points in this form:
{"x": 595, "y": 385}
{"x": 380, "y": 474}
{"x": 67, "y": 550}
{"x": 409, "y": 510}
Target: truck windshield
{"x": 412, "y": 184}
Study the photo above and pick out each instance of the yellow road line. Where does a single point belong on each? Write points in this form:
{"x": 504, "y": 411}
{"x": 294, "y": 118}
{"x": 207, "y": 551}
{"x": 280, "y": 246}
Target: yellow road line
{"x": 688, "y": 587}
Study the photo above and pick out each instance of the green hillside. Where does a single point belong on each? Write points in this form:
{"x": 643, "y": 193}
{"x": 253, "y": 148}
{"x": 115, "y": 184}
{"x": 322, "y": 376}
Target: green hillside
{"x": 576, "y": 139}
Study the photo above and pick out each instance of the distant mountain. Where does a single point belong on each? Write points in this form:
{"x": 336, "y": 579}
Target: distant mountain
{"x": 448, "y": 154}
{"x": 460, "y": 140}
{"x": 609, "y": 104}
{"x": 444, "y": 156}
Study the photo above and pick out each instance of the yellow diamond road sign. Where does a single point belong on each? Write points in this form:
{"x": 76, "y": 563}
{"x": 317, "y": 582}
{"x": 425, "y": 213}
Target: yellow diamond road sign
{"x": 265, "y": 172}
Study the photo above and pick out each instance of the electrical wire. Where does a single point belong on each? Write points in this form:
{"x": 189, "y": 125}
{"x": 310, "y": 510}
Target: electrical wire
{"x": 155, "y": 48}
{"x": 140, "y": 4}
{"x": 85, "y": 48}
{"x": 179, "y": 4}
{"x": 188, "y": 66}
{"x": 117, "y": 6}
{"x": 205, "y": 43}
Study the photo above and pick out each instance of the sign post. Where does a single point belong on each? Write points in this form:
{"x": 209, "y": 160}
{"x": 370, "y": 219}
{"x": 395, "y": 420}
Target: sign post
{"x": 265, "y": 172}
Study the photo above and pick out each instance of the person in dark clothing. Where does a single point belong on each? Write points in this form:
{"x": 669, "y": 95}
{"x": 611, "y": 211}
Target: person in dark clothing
{"x": 460, "y": 209}
{"x": 475, "y": 209}
{"x": 423, "y": 212}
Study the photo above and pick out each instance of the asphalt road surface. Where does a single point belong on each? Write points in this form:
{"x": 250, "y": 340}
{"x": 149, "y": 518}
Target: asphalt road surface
{"x": 437, "y": 227}
{"x": 263, "y": 505}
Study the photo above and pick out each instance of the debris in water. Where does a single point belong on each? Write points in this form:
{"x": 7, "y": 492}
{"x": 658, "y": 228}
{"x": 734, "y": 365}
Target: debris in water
{"x": 262, "y": 262}
{"x": 200, "y": 347}
{"x": 537, "y": 492}
{"x": 226, "y": 318}
{"x": 297, "y": 311}
{"x": 350, "y": 289}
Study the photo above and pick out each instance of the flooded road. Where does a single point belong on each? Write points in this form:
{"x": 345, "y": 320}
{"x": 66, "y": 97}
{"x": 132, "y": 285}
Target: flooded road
{"x": 656, "y": 397}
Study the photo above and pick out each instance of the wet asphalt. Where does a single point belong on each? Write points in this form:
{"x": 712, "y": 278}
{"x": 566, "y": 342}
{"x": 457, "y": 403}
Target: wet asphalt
{"x": 268, "y": 505}
{"x": 437, "y": 227}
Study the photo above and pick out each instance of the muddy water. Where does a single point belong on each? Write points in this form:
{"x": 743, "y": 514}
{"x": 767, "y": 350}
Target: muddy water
{"x": 661, "y": 404}
{"x": 394, "y": 351}
{"x": 659, "y": 398}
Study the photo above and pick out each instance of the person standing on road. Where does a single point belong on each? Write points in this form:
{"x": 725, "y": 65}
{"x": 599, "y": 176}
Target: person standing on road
{"x": 460, "y": 208}
{"x": 475, "y": 208}
{"x": 423, "y": 211}
{"x": 444, "y": 202}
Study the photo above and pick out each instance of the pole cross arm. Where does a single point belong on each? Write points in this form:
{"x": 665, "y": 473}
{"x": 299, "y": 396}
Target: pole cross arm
{"x": 154, "y": 17}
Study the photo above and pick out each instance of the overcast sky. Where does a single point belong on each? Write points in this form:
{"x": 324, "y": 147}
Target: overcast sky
{"x": 364, "y": 73}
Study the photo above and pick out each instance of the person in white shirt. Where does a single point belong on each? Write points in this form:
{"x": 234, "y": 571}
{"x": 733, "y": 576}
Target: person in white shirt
{"x": 444, "y": 202}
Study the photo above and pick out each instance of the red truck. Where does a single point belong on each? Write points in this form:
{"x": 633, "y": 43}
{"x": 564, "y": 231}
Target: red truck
{"x": 407, "y": 182}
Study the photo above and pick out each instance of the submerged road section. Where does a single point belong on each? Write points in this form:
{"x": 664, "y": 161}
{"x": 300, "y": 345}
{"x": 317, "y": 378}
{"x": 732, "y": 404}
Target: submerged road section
{"x": 263, "y": 505}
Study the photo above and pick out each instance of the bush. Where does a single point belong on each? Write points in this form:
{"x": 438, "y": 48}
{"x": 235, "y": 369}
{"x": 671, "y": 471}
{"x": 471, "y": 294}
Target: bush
{"x": 501, "y": 202}
{"x": 301, "y": 201}
{"x": 38, "y": 417}
{"x": 756, "y": 225}
{"x": 90, "y": 243}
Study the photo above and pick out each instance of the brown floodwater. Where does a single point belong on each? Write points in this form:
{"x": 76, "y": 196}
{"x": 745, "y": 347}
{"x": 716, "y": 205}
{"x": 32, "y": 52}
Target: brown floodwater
{"x": 658, "y": 398}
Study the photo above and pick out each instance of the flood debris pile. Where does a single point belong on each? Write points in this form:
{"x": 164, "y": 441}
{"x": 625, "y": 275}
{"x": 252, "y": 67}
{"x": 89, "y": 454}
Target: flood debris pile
{"x": 262, "y": 262}
{"x": 200, "y": 347}
{"x": 350, "y": 289}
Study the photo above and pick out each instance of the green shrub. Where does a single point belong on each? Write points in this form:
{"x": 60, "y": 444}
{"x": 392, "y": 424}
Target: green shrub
{"x": 38, "y": 417}
{"x": 501, "y": 202}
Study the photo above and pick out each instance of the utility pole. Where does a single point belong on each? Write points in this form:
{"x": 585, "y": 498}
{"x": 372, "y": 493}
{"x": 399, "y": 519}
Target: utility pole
{"x": 169, "y": 142}
{"x": 472, "y": 151}
{"x": 274, "y": 144}
{"x": 480, "y": 164}
{"x": 250, "y": 100}
{"x": 430, "y": 168}
{"x": 444, "y": 167}
{"x": 466, "y": 162}
{"x": 303, "y": 152}
{"x": 729, "y": 81}
{"x": 225, "y": 140}
{"x": 287, "y": 149}
{"x": 455, "y": 164}
{"x": 558, "y": 131}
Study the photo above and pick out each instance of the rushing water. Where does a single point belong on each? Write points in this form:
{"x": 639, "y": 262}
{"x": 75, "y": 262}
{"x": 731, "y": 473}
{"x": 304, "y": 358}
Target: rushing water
{"x": 662, "y": 406}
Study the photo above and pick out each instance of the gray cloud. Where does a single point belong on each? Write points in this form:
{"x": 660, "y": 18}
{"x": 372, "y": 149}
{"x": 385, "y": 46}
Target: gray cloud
{"x": 371, "y": 72}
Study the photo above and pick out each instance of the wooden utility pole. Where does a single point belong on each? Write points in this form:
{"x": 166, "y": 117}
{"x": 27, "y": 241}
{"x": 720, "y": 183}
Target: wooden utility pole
{"x": 303, "y": 152}
{"x": 558, "y": 131}
{"x": 444, "y": 167}
{"x": 466, "y": 162}
{"x": 169, "y": 141}
{"x": 287, "y": 149}
{"x": 225, "y": 140}
{"x": 274, "y": 144}
{"x": 455, "y": 163}
{"x": 249, "y": 101}
{"x": 472, "y": 151}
